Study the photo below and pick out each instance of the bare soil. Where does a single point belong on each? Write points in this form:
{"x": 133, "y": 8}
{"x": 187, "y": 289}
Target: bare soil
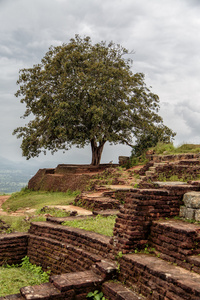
{"x": 2, "y": 200}
{"x": 27, "y": 211}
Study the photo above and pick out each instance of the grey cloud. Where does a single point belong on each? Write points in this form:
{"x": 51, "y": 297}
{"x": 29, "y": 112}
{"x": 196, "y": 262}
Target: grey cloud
{"x": 163, "y": 34}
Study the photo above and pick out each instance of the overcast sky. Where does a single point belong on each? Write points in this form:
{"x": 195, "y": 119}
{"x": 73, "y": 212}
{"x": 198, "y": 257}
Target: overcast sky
{"x": 164, "y": 34}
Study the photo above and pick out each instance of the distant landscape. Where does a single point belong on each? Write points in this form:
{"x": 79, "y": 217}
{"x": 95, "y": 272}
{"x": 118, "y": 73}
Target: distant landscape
{"x": 14, "y": 175}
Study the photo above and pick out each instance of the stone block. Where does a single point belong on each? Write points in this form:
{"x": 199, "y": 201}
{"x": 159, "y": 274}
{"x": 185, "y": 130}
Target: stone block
{"x": 182, "y": 211}
{"x": 192, "y": 200}
{"x": 41, "y": 292}
{"x": 197, "y": 215}
{"x": 189, "y": 213}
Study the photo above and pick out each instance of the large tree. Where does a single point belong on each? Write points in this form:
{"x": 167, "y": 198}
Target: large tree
{"x": 83, "y": 94}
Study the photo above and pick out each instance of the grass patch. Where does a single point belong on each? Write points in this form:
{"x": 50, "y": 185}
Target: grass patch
{"x": 19, "y": 224}
{"x": 14, "y": 277}
{"x": 55, "y": 212}
{"x": 162, "y": 148}
{"x": 37, "y": 199}
{"x": 100, "y": 224}
{"x": 184, "y": 177}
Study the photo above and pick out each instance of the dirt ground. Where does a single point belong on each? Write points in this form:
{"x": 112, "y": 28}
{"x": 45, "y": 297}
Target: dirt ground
{"x": 25, "y": 211}
{"x": 3, "y": 199}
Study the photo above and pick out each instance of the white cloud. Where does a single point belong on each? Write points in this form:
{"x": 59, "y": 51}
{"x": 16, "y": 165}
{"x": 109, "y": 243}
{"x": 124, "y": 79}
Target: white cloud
{"x": 163, "y": 34}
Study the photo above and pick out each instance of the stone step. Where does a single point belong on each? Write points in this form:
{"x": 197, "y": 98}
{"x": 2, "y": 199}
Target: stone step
{"x": 149, "y": 173}
{"x": 194, "y": 262}
{"x": 43, "y": 291}
{"x": 117, "y": 290}
{"x": 105, "y": 268}
{"x": 160, "y": 164}
{"x": 152, "y": 169}
{"x": 98, "y": 203}
{"x": 189, "y": 162}
{"x": 157, "y": 279}
{"x": 80, "y": 282}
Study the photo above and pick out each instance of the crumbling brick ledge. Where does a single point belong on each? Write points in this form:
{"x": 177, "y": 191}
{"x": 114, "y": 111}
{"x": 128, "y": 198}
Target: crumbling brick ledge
{"x": 65, "y": 250}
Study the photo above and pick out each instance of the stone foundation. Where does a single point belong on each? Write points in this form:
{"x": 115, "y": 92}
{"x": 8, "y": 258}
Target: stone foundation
{"x": 191, "y": 210}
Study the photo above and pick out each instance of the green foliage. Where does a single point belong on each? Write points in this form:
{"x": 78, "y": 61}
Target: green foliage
{"x": 84, "y": 94}
{"x": 13, "y": 277}
{"x": 151, "y": 137}
{"x": 161, "y": 148}
{"x": 99, "y": 224}
{"x": 135, "y": 161}
{"x": 183, "y": 177}
{"x": 120, "y": 254}
{"x": 40, "y": 275}
{"x": 37, "y": 199}
{"x": 96, "y": 295}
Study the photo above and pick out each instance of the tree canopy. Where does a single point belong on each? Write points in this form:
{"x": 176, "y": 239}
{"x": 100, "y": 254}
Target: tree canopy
{"x": 83, "y": 93}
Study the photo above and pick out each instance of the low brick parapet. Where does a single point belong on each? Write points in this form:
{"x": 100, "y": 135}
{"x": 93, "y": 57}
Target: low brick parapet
{"x": 59, "y": 257}
{"x": 90, "y": 241}
{"x": 13, "y": 247}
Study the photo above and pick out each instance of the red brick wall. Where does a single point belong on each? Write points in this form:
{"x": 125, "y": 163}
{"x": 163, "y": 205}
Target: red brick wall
{"x": 13, "y": 247}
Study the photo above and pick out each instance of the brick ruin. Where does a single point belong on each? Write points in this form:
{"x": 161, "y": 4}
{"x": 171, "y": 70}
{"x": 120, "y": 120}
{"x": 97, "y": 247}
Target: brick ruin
{"x": 150, "y": 256}
{"x": 65, "y": 177}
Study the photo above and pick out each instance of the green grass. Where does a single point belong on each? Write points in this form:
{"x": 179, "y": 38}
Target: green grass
{"x": 102, "y": 225}
{"x": 37, "y": 199}
{"x": 12, "y": 278}
{"x": 168, "y": 149}
{"x": 55, "y": 212}
{"x": 19, "y": 224}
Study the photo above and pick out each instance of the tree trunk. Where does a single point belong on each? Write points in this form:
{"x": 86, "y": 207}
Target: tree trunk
{"x": 96, "y": 152}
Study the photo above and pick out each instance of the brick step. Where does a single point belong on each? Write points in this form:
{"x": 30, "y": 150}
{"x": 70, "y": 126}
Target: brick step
{"x": 176, "y": 241}
{"x": 69, "y": 286}
{"x": 152, "y": 169}
{"x": 118, "y": 291}
{"x": 189, "y": 162}
{"x": 44, "y": 291}
{"x": 175, "y": 157}
{"x": 157, "y": 279}
{"x": 178, "y": 167}
{"x": 98, "y": 203}
{"x": 160, "y": 164}
{"x": 194, "y": 262}
{"x": 149, "y": 173}
{"x": 81, "y": 283}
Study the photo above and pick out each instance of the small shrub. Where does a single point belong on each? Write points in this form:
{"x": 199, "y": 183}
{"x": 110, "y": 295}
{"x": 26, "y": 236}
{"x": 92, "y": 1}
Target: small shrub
{"x": 96, "y": 295}
{"x": 13, "y": 277}
{"x": 53, "y": 211}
